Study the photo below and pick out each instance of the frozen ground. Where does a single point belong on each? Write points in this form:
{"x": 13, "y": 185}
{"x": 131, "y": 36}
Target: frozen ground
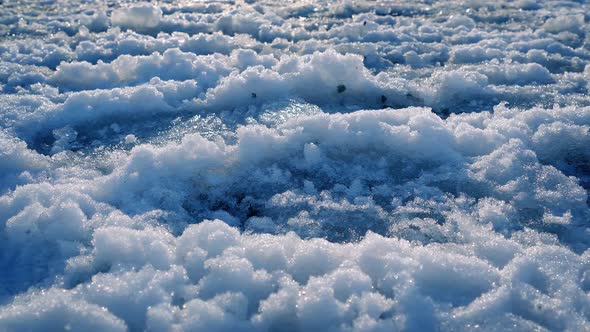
{"x": 294, "y": 166}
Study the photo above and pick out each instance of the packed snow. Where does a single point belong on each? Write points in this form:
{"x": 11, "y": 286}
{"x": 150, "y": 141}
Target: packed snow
{"x": 294, "y": 166}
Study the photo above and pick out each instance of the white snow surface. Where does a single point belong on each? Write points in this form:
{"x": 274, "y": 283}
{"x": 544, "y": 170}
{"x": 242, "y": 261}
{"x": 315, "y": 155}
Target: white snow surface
{"x": 294, "y": 165}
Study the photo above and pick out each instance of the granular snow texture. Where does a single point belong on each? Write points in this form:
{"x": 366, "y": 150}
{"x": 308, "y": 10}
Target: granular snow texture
{"x": 294, "y": 166}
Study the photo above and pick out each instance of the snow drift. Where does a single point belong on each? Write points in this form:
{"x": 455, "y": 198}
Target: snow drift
{"x": 261, "y": 166}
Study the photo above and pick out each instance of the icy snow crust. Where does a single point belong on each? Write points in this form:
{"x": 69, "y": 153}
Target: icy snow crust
{"x": 195, "y": 166}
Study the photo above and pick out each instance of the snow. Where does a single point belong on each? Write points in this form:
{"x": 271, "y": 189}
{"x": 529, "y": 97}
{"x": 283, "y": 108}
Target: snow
{"x": 138, "y": 17}
{"x": 272, "y": 166}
